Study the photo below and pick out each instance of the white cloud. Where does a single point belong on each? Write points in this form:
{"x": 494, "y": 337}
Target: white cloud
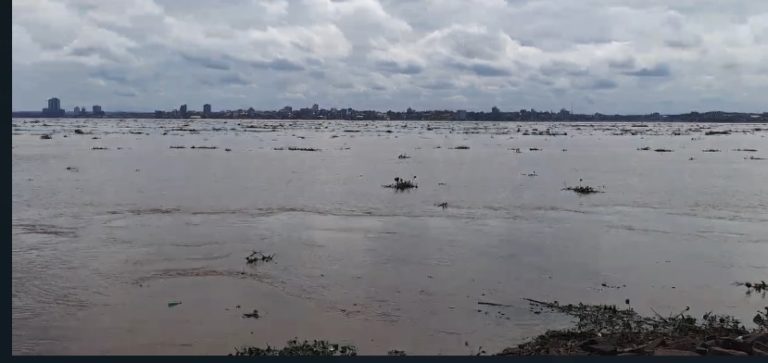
{"x": 612, "y": 56}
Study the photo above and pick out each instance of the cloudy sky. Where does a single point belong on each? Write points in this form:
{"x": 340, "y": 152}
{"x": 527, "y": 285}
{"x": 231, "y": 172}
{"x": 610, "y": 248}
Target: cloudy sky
{"x": 610, "y": 56}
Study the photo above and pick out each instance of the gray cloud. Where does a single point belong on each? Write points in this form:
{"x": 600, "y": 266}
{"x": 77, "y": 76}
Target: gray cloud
{"x": 234, "y": 79}
{"x": 659, "y": 70}
{"x": 603, "y": 84}
{"x": 389, "y": 54}
{"x": 279, "y": 64}
{"x": 394, "y": 67}
{"x": 206, "y": 62}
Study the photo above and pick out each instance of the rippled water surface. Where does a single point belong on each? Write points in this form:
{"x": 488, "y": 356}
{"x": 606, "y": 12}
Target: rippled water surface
{"x": 101, "y": 248}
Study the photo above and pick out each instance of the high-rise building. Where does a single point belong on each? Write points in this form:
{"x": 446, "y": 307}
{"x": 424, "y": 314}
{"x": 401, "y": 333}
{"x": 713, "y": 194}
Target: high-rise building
{"x": 97, "y": 111}
{"x": 77, "y": 110}
{"x": 54, "y": 108}
{"x": 461, "y": 115}
{"x": 206, "y": 109}
{"x": 315, "y": 108}
{"x": 54, "y": 104}
{"x": 183, "y": 110}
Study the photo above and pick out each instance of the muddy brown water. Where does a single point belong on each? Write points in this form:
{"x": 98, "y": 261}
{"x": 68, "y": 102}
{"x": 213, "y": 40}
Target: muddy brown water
{"x": 101, "y": 249}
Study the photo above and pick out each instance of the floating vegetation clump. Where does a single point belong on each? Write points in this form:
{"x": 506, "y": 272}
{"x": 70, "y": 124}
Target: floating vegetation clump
{"x": 717, "y": 133}
{"x": 646, "y": 148}
{"x": 258, "y": 256}
{"x": 396, "y": 353}
{"x": 443, "y": 205}
{"x": 403, "y": 156}
{"x": 252, "y": 315}
{"x": 754, "y": 158}
{"x": 178, "y": 147}
{"x": 292, "y": 148}
{"x": 45, "y": 137}
{"x": 754, "y": 286}
{"x": 662, "y": 150}
{"x": 711, "y": 150}
{"x": 205, "y": 147}
{"x": 402, "y": 184}
{"x": 610, "y": 330}
{"x": 583, "y": 189}
{"x": 317, "y": 348}
{"x": 99, "y": 148}
{"x": 462, "y": 147}
{"x": 747, "y": 150}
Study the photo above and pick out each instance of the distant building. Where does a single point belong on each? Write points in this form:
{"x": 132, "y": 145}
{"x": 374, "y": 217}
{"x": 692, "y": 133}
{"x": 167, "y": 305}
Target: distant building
{"x": 54, "y": 108}
{"x": 461, "y": 115}
{"x": 97, "y": 111}
{"x": 206, "y": 109}
{"x": 183, "y": 110}
{"x": 315, "y": 108}
{"x": 77, "y": 110}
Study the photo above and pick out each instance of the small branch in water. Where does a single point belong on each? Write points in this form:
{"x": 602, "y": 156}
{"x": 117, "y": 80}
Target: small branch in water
{"x": 493, "y": 304}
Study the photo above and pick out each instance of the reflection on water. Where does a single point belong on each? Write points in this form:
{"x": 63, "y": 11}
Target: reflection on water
{"x": 100, "y": 249}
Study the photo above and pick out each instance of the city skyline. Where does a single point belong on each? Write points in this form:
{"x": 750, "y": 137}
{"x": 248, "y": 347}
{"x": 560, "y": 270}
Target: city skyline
{"x": 621, "y": 56}
{"x": 316, "y": 112}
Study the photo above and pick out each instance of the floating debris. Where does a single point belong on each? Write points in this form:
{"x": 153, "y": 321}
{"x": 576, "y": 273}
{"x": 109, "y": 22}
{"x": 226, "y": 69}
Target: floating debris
{"x": 644, "y": 148}
{"x": 72, "y": 168}
{"x": 205, "y": 147}
{"x": 534, "y": 149}
{"x": 717, "y": 133}
{"x": 403, "y": 156}
{"x": 258, "y": 256}
{"x": 660, "y": 150}
{"x": 318, "y": 348}
{"x": 396, "y": 353}
{"x": 45, "y": 137}
{"x": 402, "y": 184}
{"x": 99, "y": 148}
{"x": 711, "y": 150}
{"x": 291, "y": 148}
{"x": 609, "y": 330}
{"x": 754, "y": 286}
{"x": 178, "y": 147}
{"x": 252, "y": 315}
{"x": 443, "y": 205}
{"x": 754, "y": 158}
{"x": 174, "y": 303}
{"x": 461, "y": 147}
{"x": 492, "y": 304}
{"x": 79, "y": 132}
{"x": 583, "y": 189}
{"x": 747, "y": 150}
